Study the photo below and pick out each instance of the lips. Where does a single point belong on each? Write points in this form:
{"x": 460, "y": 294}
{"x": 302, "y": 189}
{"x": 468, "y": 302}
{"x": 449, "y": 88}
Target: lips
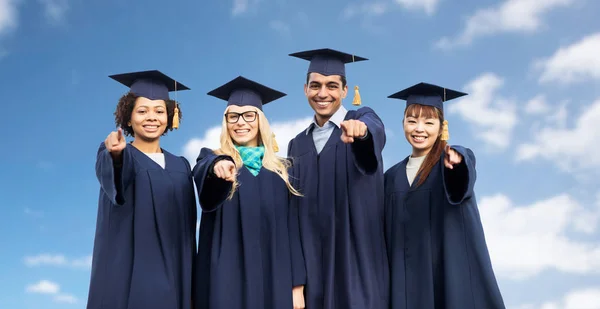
{"x": 150, "y": 128}
{"x": 418, "y": 139}
{"x": 323, "y": 104}
{"x": 241, "y": 131}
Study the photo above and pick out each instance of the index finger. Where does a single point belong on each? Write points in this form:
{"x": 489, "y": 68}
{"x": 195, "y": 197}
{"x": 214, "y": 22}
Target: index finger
{"x": 120, "y": 134}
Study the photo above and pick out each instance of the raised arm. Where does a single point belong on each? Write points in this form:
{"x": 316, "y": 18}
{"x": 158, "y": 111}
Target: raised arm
{"x": 212, "y": 190}
{"x": 114, "y": 167}
{"x": 459, "y": 174}
{"x": 368, "y": 149}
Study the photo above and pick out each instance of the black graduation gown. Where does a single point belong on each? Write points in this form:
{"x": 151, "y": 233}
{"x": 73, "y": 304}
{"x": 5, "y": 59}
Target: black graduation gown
{"x": 341, "y": 217}
{"x": 145, "y": 233}
{"x": 438, "y": 253}
{"x": 246, "y": 244}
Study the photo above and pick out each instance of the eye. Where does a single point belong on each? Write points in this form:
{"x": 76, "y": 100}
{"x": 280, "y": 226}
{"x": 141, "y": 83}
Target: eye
{"x": 429, "y": 123}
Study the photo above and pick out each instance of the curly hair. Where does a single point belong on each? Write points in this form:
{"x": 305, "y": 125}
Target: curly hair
{"x": 125, "y": 108}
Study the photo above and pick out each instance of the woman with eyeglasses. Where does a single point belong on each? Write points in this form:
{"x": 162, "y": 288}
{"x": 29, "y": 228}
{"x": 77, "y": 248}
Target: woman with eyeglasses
{"x": 249, "y": 254}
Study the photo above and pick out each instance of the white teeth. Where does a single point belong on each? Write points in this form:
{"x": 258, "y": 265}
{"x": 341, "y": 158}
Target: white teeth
{"x": 242, "y": 131}
{"x": 419, "y": 138}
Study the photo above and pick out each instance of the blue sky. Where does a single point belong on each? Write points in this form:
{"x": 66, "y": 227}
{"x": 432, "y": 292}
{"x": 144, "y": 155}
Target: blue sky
{"x": 531, "y": 69}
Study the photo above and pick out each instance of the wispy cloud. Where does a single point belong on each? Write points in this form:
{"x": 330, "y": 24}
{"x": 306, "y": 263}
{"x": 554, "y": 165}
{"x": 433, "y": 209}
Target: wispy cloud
{"x": 8, "y": 16}
{"x": 428, "y": 6}
{"x": 280, "y": 27}
{"x": 43, "y": 287}
{"x": 57, "y": 260}
{"x": 537, "y": 105}
{"x": 510, "y": 16}
{"x": 369, "y": 9}
{"x": 33, "y": 213}
{"x": 573, "y": 63}
{"x": 584, "y": 298}
{"x": 55, "y": 10}
{"x": 525, "y": 240}
{"x": 567, "y": 148}
{"x": 48, "y": 287}
{"x": 241, "y": 7}
{"x": 493, "y": 116}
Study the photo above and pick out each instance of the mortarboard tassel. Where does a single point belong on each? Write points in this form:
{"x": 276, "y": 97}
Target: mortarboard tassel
{"x": 275, "y": 146}
{"x": 176, "y": 117}
{"x": 356, "y": 101}
{"x": 445, "y": 133}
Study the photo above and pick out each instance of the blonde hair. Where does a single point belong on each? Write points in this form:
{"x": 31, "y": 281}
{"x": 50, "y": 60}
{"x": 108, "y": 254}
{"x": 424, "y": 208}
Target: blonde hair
{"x": 271, "y": 161}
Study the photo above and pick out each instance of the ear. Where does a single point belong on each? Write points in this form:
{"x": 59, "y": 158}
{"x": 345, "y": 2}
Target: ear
{"x": 344, "y": 92}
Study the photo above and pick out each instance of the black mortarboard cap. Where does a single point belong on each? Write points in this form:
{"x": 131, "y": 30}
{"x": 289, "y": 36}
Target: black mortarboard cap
{"x": 153, "y": 85}
{"x": 242, "y": 92}
{"x": 427, "y": 94}
{"x": 327, "y": 61}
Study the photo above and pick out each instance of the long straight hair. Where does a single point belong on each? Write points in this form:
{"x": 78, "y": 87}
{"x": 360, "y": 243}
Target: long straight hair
{"x": 434, "y": 155}
{"x": 270, "y": 161}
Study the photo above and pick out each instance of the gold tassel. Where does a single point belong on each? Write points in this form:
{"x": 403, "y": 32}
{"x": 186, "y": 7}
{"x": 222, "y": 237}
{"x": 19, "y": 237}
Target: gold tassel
{"x": 275, "y": 146}
{"x": 176, "y": 117}
{"x": 356, "y": 101}
{"x": 445, "y": 134}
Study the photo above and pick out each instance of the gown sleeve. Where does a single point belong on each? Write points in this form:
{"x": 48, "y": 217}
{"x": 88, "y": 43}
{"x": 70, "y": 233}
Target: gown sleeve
{"x": 459, "y": 182}
{"x": 212, "y": 191}
{"x": 368, "y": 151}
{"x": 114, "y": 177}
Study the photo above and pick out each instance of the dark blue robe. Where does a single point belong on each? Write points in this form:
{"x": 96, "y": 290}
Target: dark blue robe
{"x": 246, "y": 244}
{"x": 145, "y": 233}
{"x": 342, "y": 217}
{"x": 438, "y": 253}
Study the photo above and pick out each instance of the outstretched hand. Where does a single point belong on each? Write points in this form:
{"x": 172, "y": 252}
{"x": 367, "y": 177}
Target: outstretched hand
{"x": 226, "y": 170}
{"x": 452, "y": 157}
{"x": 352, "y": 129}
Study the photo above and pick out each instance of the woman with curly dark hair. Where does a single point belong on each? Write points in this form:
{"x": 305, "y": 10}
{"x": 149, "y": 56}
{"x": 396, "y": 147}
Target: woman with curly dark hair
{"x": 145, "y": 232}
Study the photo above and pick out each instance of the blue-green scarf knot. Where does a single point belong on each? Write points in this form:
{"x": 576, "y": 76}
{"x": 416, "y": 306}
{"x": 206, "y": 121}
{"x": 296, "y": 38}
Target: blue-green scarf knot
{"x": 252, "y": 157}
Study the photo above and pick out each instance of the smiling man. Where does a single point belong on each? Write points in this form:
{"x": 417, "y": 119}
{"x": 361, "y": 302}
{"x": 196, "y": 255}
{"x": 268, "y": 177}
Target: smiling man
{"x": 337, "y": 166}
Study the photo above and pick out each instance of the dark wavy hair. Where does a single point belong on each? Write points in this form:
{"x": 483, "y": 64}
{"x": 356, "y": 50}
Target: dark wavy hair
{"x": 125, "y": 108}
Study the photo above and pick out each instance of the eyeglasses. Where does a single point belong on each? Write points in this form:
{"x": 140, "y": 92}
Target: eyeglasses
{"x": 249, "y": 116}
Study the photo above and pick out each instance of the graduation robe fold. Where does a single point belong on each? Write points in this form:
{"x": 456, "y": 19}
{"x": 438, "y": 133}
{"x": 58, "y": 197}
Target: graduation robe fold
{"x": 438, "y": 253}
{"x": 245, "y": 246}
{"x": 145, "y": 233}
{"x": 341, "y": 217}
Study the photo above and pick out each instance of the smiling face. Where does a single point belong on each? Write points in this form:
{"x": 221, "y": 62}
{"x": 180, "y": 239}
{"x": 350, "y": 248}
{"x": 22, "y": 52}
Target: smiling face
{"x": 422, "y": 127}
{"x": 148, "y": 119}
{"x": 325, "y": 94}
{"x": 242, "y": 125}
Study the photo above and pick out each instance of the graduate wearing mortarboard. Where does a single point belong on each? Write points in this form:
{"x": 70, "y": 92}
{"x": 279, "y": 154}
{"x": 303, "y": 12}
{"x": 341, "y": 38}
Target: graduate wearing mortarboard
{"x": 438, "y": 253}
{"x": 246, "y": 242}
{"x": 337, "y": 166}
{"x": 145, "y": 233}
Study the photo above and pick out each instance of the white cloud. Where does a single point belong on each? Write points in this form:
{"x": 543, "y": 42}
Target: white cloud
{"x": 65, "y": 299}
{"x": 57, "y": 260}
{"x": 428, "y": 6}
{"x": 33, "y": 213}
{"x": 526, "y": 240}
{"x": 379, "y": 7}
{"x": 586, "y": 298}
{"x": 8, "y": 15}
{"x": 241, "y": 7}
{"x": 573, "y": 63}
{"x": 51, "y": 288}
{"x": 43, "y": 287}
{"x": 523, "y": 16}
{"x": 369, "y": 9}
{"x": 537, "y": 105}
{"x": 55, "y": 10}
{"x": 568, "y": 148}
{"x": 493, "y": 117}
{"x": 284, "y": 131}
{"x": 280, "y": 27}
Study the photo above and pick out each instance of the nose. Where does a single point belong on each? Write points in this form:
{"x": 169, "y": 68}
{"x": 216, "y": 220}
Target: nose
{"x": 419, "y": 127}
{"x": 322, "y": 92}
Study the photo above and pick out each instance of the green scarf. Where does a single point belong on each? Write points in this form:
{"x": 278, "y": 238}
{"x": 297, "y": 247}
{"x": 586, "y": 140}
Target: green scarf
{"x": 252, "y": 157}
